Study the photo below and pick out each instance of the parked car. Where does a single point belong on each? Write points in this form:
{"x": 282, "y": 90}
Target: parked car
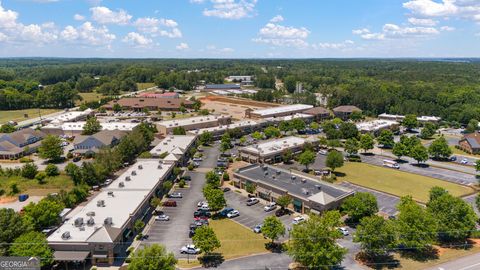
{"x": 202, "y": 213}
{"x": 227, "y": 189}
{"x": 108, "y": 182}
{"x": 323, "y": 152}
{"x": 464, "y": 161}
{"x": 258, "y": 228}
{"x": 234, "y": 213}
{"x": 186, "y": 178}
{"x": 225, "y": 211}
{"x": 170, "y": 203}
{"x": 344, "y": 231}
{"x": 281, "y": 212}
{"x": 162, "y": 218}
{"x": 270, "y": 207}
{"x": 453, "y": 158}
{"x": 252, "y": 201}
{"x": 201, "y": 218}
{"x": 197, "y": 159}
{"x": 189, "y": 249}
{"x": 204, "y": 207}
{"x": 251, "y": 195}
{"x": 76, "y": 159}
{"x": 175, "y": 195}
{"x": 298, "y": 220}
{"x": 202, "y": 203}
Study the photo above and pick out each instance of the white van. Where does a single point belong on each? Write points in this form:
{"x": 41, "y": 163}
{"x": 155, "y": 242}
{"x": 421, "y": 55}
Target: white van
{"x": 391, "y": 164}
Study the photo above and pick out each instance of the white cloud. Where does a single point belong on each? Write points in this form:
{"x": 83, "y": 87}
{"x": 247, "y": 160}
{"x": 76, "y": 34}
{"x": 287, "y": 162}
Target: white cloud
{"x": 158, "y": 27}
{"x": 3, "y": 37}
{"x": 87, "y": 34}
{"x": 137, "y": 39}
{"x": 336, "y": 46}
{"x": 279, "y": 35}
{"x": 422, "y": 22}
{"x": 182, "y": 46}
{"x": 197, "y": 1}
{"x": 361, "y": 31}
{"x": 467, "y": 9}
{"x": 78, "y": 17}
{"x": 393, "y": 31}
{"x": 447, "y": 28}
{"x": 278, "y": 18}
{"x": 230, "y": 9}
{"x": 214, "y": 49}
{"x": 8, "y": 18}
{"x": 104, "y": 15}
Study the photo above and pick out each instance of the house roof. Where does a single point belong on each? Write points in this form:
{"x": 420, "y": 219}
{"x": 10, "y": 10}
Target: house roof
{"x": 21, "y": 136}
{"x": 136, "y": 102}
{"x": 105, "y": 136}
{"x": 222, "y": 86}
{"x": 317, "y": 111}
{"x": 473, "y": 139}
{"x": 346, "y": 109}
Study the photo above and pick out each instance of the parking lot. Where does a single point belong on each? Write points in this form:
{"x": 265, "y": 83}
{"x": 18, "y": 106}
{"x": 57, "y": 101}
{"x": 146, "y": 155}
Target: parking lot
{"x": 386, "y": 203}
{"x": 250, "y": 216}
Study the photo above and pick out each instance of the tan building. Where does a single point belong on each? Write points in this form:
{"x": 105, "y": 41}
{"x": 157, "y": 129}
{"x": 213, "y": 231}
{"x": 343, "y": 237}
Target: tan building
{"x": 152, "y": 104}
{"x": 193, "y": 123}
{"x": 19, "y": 143}
{"x": 319, "y": 113}
{"x": 277, "y": 111}
{"x": 470, "y": 143}
{"x": 344, "y": 112}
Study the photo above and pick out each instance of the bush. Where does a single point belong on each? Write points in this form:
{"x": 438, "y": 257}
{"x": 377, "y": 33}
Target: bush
{"x": 25, "y": 160}
{"x": 130, "y": 250}
{"x": 475, "y": 234}
{"x": 40, "y": 177}
{"x": 29, "y": 170}
{"x": 181, "y": 183}
{"x": 69, "y": 155}
{"x": 190, "y": 167}
{"x": 226, "y": 177}
{"x": 52, "y": 170}
{"x": 145, "y": 155}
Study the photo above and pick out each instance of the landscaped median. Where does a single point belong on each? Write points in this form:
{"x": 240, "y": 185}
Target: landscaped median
{"x": 396, "y": 182}
{"x": 236, "y": 241}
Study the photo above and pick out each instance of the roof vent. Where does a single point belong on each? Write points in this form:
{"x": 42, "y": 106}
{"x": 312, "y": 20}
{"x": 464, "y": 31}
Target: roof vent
{"x": 127, "y": 178}
{"x": 304, "y": 180}
{"x": 108, "y": 221}
{"x": 134, "y": 173}
{"x": 140, "y": 167}
{"x": 78, "y": 222}
{"x": 159, "y": 166}
{"x": 91, "y": 214}
{"x": 110, "y": 194}
{"x": 82, "y": 228}
{"x": 66, "y": 235}
{"x": 305, "y": 191}
{"x": 101, "y": 203}
{"x": 90, "y": 221}
{"x": 318, "y": 187}
{"x": 121, "y": 184}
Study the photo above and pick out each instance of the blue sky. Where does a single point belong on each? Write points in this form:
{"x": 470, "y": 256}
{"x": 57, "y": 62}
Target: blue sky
{"x": 240, "y": 28}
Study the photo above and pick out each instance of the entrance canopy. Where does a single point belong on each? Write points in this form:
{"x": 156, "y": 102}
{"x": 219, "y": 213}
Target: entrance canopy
{"x": 70, "y": 256}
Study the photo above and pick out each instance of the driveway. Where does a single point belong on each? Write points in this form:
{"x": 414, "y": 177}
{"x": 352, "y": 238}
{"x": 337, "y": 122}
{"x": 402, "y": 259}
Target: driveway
{"x": 386, "y": 202}
{"x": 174, "y": 233}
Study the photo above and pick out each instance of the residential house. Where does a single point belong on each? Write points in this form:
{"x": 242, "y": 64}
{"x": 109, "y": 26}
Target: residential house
{"x": 344, "y": 112}
{"x": 89, "y": 144}
{"x": 470, "y": 143}
{"x": 19, "y": 143}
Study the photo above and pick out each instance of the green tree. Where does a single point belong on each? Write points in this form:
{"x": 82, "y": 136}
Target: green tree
{"x": 436, "y": 192}
{"x": 472, "y": 126}
{"x": 287, "y": 156}
{"x": 360, "y": 205}
{"x": 410, "y": 121}
{"x": 215, "y": 198}
{"x": 455, "y": 218}
{"x": 297, "y": 124}
{"x": 52, "y": 170}
{"x": 44, "y": 213}
{"x": 117, "y": 107}
{"x": 376, "y": 236}
{"x": 348, "y": 130}
{"x": 138, "y": 225}
{"x": 51, "y": 148}
{"x": 74, "y": 172}
{"x": 428, "y": 130}
{"x": 439, "y": 148}
{"x": 415, "y": 226}
{"x": 306, "y": 248}
{"x": 306, "y": 158}
{"x": 29, "y": 170}
{"x": 386, "y": 139}
{"x": 12, "y": 225}
{"x": 152, "y": 257}
{"x": 205, "y": 138}
{"x": 92, "y": 126}
{"x": 7, "y": 128}
{"x": 352, "y": 146}
{"x": 314, "y": 125}
{"x": 284, "y": 201}
{"x": 419, "y": 153}
{"x": 477, "y": 202}
{"x": 212, "y": 179}
{"x": 242, "y": 140}
{"x": 334, "y": 160}
{"x": 284, "y": 126}
{"x": 179, "y": 131}
{"x": 250, "y": 188}
{"x": 257, "y": 135}
{"x": 271, "y": 132}
{"x": 33, "y": 244}
{"x": 40, "y": 177}
{"x": 399, "y": 150}
{"x": 366, "y": 142}
{"x": 273, "y": 228}
{"x": 206, "y": 240}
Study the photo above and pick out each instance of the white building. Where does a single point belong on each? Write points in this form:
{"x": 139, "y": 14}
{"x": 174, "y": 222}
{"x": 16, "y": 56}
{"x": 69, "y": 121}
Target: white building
{"x": 246, "y": 126}
{"x": 97, "y": 229}
{"x": 76, "y": 128}
{"x": 375, "y": 125}
{"x": 279, "y": 111}
{"x": 174, "y": 148}
{"x": 69, "y": 116}
{"x": 192, "y": 123}
{"x": 303, "y": 116}
{"x": 399, "y": 118}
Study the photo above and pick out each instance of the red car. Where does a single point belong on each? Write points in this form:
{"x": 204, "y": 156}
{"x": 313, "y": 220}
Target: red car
{"x": 170, "y": 203}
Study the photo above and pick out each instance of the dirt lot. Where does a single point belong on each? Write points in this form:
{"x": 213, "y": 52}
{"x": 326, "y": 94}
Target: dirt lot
{"x": 235, "y": 107}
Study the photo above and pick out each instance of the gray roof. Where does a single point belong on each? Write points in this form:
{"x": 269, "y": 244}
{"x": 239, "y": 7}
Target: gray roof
{"x": 222, "y": 86}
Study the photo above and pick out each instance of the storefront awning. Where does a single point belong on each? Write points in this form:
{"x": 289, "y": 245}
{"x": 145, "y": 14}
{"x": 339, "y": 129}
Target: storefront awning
{"x": 70, "y": 256}
{"x": 99, "y": 256}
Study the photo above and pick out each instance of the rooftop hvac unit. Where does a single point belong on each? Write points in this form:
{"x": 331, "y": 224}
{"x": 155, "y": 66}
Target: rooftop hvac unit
{"x": 91, "y": 214}
{"x": 90, "y": 221}
{"x": 134, "y": 173}
{"x": 127, "y": 178}
{"x": 193, "y": 121}
{"x": 82, "y": 228}
{"x": 159, "y": 166}
{"x": 66, "y": 235}
{"x": 78, "y": 222}
{"x": 305, "y": 191}
{"x": 304, "y": 180}
{"x": 108, "y": 221}
{"x": 278, "y": 172}
{"x": 318, "y": 187}
{"x": 165, "y": 143}
{"x": 121, "y": 184}
{"x": 266, "y": 173}
{"x": 101, "y": 203}
{"x": 110, "y": 194}
{"x": 176, "y": 124}
{"x": 293, "y": 177}
{"x": 140, "y": 167}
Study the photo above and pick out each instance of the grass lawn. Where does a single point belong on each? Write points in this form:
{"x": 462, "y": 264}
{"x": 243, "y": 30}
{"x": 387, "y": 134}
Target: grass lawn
{"x": 32, "y": 187}
{"x": 456, "y": 151}
{"x": 236, "y": 240}
{"x": 18, "y": 115}
{"x": 445, "y": 255}
{"x": 89, "y": 97}
{"x": 179, "y": 116}
{"x": 142, "y": 86}
{"x": 396, "y": 182}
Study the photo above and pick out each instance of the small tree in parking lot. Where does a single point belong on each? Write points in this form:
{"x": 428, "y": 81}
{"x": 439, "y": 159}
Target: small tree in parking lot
{"x": 213, "y": 179}
{"x": 284, "y": 201}
{"x": 334, "y": 160}
{"x": 206, "y": 240}
{"x": 138, "y": 225}
{"x": 250, "y": 188}
{"x": 215, "y": 197}
{"x": 273, "y": 228}
{"x": 306, "y": 158}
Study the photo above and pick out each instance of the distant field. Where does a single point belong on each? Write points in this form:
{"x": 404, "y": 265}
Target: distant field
{"x": 32, "y": 187}
{"x": 142, "y": 86}
{"x": 89, "y": 97}
{"x": 396, "y": 182}
{"x": 18, "y": 115}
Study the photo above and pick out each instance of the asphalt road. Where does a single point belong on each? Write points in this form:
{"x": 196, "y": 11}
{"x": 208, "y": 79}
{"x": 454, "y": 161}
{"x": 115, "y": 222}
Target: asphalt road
{"x": 174, "y": 233}
{"x": 269, "y": 261}
{"x": 471, "y": 262}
